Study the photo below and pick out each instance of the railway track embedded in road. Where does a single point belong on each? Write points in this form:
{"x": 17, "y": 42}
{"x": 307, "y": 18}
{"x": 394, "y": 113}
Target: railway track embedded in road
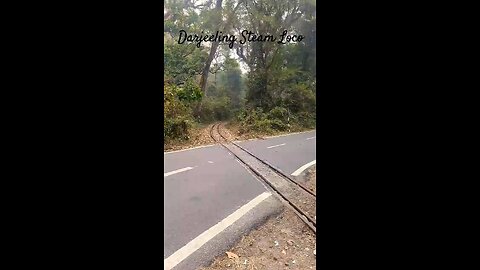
{"x": 289, "y": 191}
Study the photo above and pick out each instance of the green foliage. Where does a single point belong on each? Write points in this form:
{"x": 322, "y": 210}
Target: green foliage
{"x": 254, "y": 120}
{"x": 307, "y": 119}
{"x": 278, "y": 113}
{"x": 277, "y": 119}
{"x": 189, "y": 92}
{"x": 176, "y": 128}
{"x": 183, "y": 62}
{"x": 277, "y": 94}
{"x": 213, "y": 109}
{"x": 177, "y": 114}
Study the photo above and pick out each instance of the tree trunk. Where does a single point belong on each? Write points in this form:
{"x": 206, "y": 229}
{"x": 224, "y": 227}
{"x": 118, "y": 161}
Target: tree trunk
{"x": 206, "y": 68}
{"x": 213, "y": 50}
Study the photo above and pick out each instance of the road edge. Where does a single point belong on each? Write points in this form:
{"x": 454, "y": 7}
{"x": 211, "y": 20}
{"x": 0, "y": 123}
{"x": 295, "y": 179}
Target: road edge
{"x": 225, "y": 240}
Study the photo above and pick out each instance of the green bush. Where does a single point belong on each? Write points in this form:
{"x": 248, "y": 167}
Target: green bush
{"x": 277, "y": 124}
{"x": 177, "y": 113}
{"x": 213, "y": 109}
{"x": 254, "y": 120}
{"x": 176, "y": 128}
{"x": 307, "y": 119}
{"x": 277, "y": 119}
{"x": 278, "y": 113}
{"x": 189, "y": 92}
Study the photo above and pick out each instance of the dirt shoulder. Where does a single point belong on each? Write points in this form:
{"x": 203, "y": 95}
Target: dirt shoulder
{"x": 199, "y": 135}
{"x": 283, "y": 242}
{"x": 310, "y": 176}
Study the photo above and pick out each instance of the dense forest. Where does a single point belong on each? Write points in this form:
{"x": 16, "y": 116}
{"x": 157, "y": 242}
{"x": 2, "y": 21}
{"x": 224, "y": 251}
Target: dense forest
{"x": 259, "y": 86}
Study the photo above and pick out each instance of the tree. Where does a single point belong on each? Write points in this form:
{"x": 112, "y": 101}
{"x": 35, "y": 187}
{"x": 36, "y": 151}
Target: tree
{"x": 223, "y": 18}
{"x": 267, "y": 18}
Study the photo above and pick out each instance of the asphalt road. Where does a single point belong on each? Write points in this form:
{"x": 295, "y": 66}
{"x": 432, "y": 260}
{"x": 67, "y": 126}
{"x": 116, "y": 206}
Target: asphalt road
{"x": 205, "y": 185}
{"x": 197, "y": 199}
{"x": 288, "y": 153}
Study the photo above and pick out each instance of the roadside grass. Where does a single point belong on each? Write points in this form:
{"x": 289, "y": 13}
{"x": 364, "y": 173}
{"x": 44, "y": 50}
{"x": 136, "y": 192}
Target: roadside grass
{"x": 241, "y": 134}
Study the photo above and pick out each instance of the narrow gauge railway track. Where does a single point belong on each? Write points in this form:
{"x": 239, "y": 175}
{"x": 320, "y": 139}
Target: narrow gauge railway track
{"x": 263, "y": 172}
{"x": 287, "y": 177}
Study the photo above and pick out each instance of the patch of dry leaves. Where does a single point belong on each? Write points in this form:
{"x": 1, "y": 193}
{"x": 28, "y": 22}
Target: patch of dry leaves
{"x": 198, "y": 136}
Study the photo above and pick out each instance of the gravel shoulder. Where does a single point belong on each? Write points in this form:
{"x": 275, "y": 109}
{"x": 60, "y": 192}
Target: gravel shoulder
{"x": 283, "y": 242}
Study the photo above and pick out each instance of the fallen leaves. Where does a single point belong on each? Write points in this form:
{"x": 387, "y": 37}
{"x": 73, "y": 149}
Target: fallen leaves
{"x": 200, "y": 135}
{"x": 232, "y": 255}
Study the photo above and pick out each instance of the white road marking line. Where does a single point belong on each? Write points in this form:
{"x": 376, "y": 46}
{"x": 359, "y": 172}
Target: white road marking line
{"x": 288, "y": 134}
{"x": 211, "y": 162}
{"x": 177, "y": 171}
{"x": 301, "y": 169}
{"x": 311, "y": 138}
{"x": 276, "y": 145}
{"x": 202, "y": 146}
{"x": 283, "y": 135}
{"x": 206, "y": 236}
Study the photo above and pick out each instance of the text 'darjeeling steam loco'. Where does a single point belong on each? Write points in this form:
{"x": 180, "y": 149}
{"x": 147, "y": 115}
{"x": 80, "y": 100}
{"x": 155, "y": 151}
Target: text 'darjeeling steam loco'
{"x": 245, "y": 36}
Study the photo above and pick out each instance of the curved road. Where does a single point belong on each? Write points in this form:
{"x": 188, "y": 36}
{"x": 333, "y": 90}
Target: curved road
{"x": 206, "y": 187}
